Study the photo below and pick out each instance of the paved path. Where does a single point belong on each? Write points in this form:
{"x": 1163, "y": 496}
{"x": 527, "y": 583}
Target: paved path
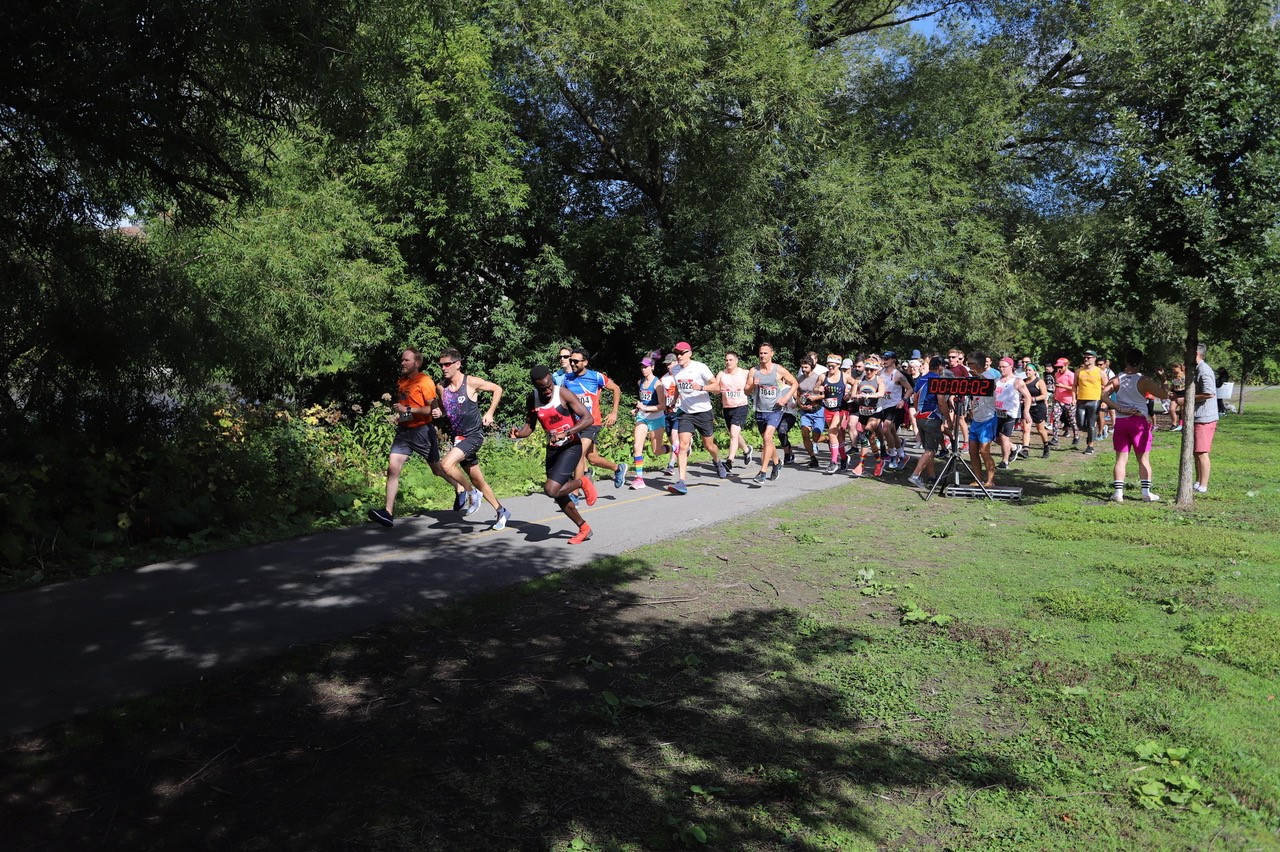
{"x": 75, "y": 647}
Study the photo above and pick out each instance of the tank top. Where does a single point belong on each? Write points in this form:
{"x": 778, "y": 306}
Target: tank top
{"x": 461, "y": 410}
{"x": 867, "y": 404}
{"x": 892, "y": 392}
{"x": 1128, "y": 395}
{"x": 649, "y": 396}
{"x": 833, "y": 392}
{"x": 1007, "y": 396}
{"x": 767, "y": 390}
{"x": 554, "y": 415}
{"x": 1033, "y": 388}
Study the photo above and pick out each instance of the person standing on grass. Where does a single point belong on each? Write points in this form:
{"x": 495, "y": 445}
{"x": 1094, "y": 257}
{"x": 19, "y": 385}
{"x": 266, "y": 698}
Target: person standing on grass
{"x": 1133, "y": 425}
{"x": 1064, "y": 402}
{"x": 588, "y": 384}
{"x": 651, "y": 419}
{"x": 695, "y": 383}
{"x": 1089, "y": 382}
{"x": 415, "y": 435}
{"x": 771, "y": 386}
{"x": 564, "y": 418}
{"x": 1177, "y": 385}
{"x": 1013, "y": 407}
{"x": 466, "y": 424}
{"x": 733, "y": 403}
{"x": 1206, "y": 418}
{"x": 982, "y": 427}
{"x": 1039, "y": 407}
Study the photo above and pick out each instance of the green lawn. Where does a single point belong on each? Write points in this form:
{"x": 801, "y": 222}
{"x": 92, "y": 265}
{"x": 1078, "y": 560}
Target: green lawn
{"x": 857, "y": 670}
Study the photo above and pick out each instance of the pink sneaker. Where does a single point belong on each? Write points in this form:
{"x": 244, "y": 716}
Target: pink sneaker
{"x": 637, "y": 483}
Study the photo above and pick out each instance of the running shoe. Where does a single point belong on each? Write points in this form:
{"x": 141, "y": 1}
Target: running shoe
{"x": 1045, "y": 454}
{"x": 831, "y": 468}
{"x": 1117, "y": 498}
{"x": 789, "y": 458}
{"x": 1002, "y": 465}
{"x": 721, "y": 470}
{"x": 620, "y": 475}
{"x": 382, "y": 516}
{"x": 758, "y": 478}
{"x": 775, "y": 471}
{"x": 1151, "y": 497}
{"x": 589, "y": 490}
{"x": 1088, "y": 451}
{"x": 1075, "y": 442}
{"x": 857, "y": 470}
{"x": 671, "y": 468}
{"x": 474, "y": 498}
{"x": 504, "y": 515}
{"x": 637, "y": 484}
{"x": 746, "y": 455}
{"x": 577, "y": 501}
{"x": 1177, "y": 428}
{"x": 678, "y": 487}
{"x": 879, "y": 468}
{"x": 916, "y": 481}
{"x": 1024, "y": 453}
{"x": 1200, "y": 489}
{"x": 813, "y": 462}
{"x": 584, "y": 533}
{"x": 459, "y": 500}
{"x": 1053, "y": 442}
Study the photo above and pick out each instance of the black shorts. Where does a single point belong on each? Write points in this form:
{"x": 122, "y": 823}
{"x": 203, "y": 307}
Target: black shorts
{"x": 702, "y": 423}
{"x": 1039, "y": 412}
{"x": 736, "y": 416}
{"x": 891, "y": 415}
{"x": 1005, "y": 425}
{"x": 562, "y": 462}
{"x": 589, "y": 433}
{"x": 469, "y": 445}
{"x": 864, "y": 419}
{"x": 417, "y": 440}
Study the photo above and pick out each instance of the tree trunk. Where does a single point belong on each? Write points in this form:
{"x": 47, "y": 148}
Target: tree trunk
{"x": 1187, "y": 465}
{"x": 1244, "y": 380}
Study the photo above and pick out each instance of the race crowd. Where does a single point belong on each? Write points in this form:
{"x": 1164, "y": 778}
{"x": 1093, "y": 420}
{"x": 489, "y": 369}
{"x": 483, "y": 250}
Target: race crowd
{"x": 864, "y": 411}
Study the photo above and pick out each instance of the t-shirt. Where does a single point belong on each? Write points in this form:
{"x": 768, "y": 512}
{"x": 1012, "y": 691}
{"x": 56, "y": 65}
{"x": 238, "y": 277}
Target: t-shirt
{"x": 587, "y": 388}
{"x": 558, "y": 376}
{"x": 418, "y": 392}
{"x": 732, "y": 388}
{"x": 694, "y": 401}
{"x": 669, "y": 386}
{"x": 1206, "y": 382}
{"x": 1064, "y": 387}
{"x": 1089, "y": 382}
{"x": 927, "y": 403}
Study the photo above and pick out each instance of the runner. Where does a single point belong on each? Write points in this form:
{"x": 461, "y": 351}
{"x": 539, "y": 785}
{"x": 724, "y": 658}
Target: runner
{"x": 587, "y": 384}
{"x": 836, "y": 418}
{"x": 564, "y": 418}
{"x": 809, "y": 401}
{"x": 1039, "y": 407}
{"x": 932, "y": 412}
{"x": 1089, "y": 382}
{"x": 733, "y": 402}
{"x": 466, "y": 424}
{"x": 1013, "y": 404}
{"x": 1133, "y": 429}
{"x": 982, "y": 427}
{"x": 673, "y": 399}
{"x": 869, "y": 392}
{"x": 772, "y": 386}
{"x": 651, "y": 419}
{"x": 415, "y": 435}
{"x": 891, "y": 410}
{"x": 566, "y": 352}
{"x": 695, "y": 384}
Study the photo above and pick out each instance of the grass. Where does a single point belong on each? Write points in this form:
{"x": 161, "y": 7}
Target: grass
{"x": 1080, "y": 675}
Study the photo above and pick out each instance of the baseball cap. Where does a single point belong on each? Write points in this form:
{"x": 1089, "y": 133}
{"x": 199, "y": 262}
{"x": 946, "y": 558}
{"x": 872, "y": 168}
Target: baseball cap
{"x": 846, "y": 363}
{"x": 682, "y": 347}
{"x": 915, "y": 355}
{"x": 646, "y": 362}
{"x": 670, "y": 358}
{"x": 1091, "y": 352}
{"x": 1007, "y": 360}
{"x": 890, "y": 354}
{"x": 1061, "y": 362}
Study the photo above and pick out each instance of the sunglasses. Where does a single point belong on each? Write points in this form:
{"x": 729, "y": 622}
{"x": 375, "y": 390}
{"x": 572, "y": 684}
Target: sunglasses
{"x": 575, "y": 361}
{"x": 562, "y": 357}
{"x": 447, "y": 363}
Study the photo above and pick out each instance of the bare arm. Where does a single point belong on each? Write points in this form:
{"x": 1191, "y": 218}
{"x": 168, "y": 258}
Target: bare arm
{"x": 475, "y": 383}
{"x": 784, "y": 376}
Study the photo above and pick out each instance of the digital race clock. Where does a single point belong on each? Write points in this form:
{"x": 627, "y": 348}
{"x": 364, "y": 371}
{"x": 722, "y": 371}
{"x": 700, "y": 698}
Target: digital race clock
{"x": 969, "y": 386}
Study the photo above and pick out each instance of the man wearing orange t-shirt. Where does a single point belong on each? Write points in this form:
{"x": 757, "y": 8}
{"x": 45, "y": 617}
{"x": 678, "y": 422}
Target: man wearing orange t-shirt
{"x": 415, "y": 408}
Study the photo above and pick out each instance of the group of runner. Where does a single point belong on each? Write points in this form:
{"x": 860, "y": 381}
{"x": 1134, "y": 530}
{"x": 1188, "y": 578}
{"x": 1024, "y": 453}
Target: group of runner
{"x": 858, "y": 407}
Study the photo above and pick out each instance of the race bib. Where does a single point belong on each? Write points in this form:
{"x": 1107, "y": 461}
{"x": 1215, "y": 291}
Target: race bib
{"x": 735, "y": 395}
{"x": 586, "y": 401}
{"x": 769, "y": 393}
{"x": 866, "y": 410}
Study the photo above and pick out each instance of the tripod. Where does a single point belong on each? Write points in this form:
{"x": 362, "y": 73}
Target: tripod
{"x": 954, "y": 462}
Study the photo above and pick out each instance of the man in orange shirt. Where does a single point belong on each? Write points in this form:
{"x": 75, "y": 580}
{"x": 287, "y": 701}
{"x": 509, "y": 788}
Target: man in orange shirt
{"x": 416, "y": 398}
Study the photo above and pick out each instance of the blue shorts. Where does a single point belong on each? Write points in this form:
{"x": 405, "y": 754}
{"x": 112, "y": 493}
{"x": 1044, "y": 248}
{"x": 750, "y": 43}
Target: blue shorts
{"x": 983, "y": 432}
{"x": 653, "y": 424}
{"x": 765, "y": 419}
{"x": 815, "y": 420}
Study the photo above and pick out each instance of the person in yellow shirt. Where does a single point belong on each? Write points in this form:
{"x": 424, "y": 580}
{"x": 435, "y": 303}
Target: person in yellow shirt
{"x": 1089, "y": 382}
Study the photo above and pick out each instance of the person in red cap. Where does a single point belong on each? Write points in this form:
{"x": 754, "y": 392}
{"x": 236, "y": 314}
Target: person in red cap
{"x": 694, "y": 383}
{"x": 1064, "y": 402}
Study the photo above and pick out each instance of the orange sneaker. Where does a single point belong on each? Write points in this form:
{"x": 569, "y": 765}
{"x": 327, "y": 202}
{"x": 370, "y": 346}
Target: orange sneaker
{"x": 584, "y": 533}
{"x": 589, "y": 489}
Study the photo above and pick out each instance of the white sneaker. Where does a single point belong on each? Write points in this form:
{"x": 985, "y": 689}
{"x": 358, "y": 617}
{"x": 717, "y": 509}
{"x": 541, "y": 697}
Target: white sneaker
{"x": 474, "y": 498}
{"x": 1200, "y": 489}
{"x": 1117, "y": 498}
{"x": 916, "y": 481}
{"x": 1151, "y": 497}
{"x": 503, "y": 516}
